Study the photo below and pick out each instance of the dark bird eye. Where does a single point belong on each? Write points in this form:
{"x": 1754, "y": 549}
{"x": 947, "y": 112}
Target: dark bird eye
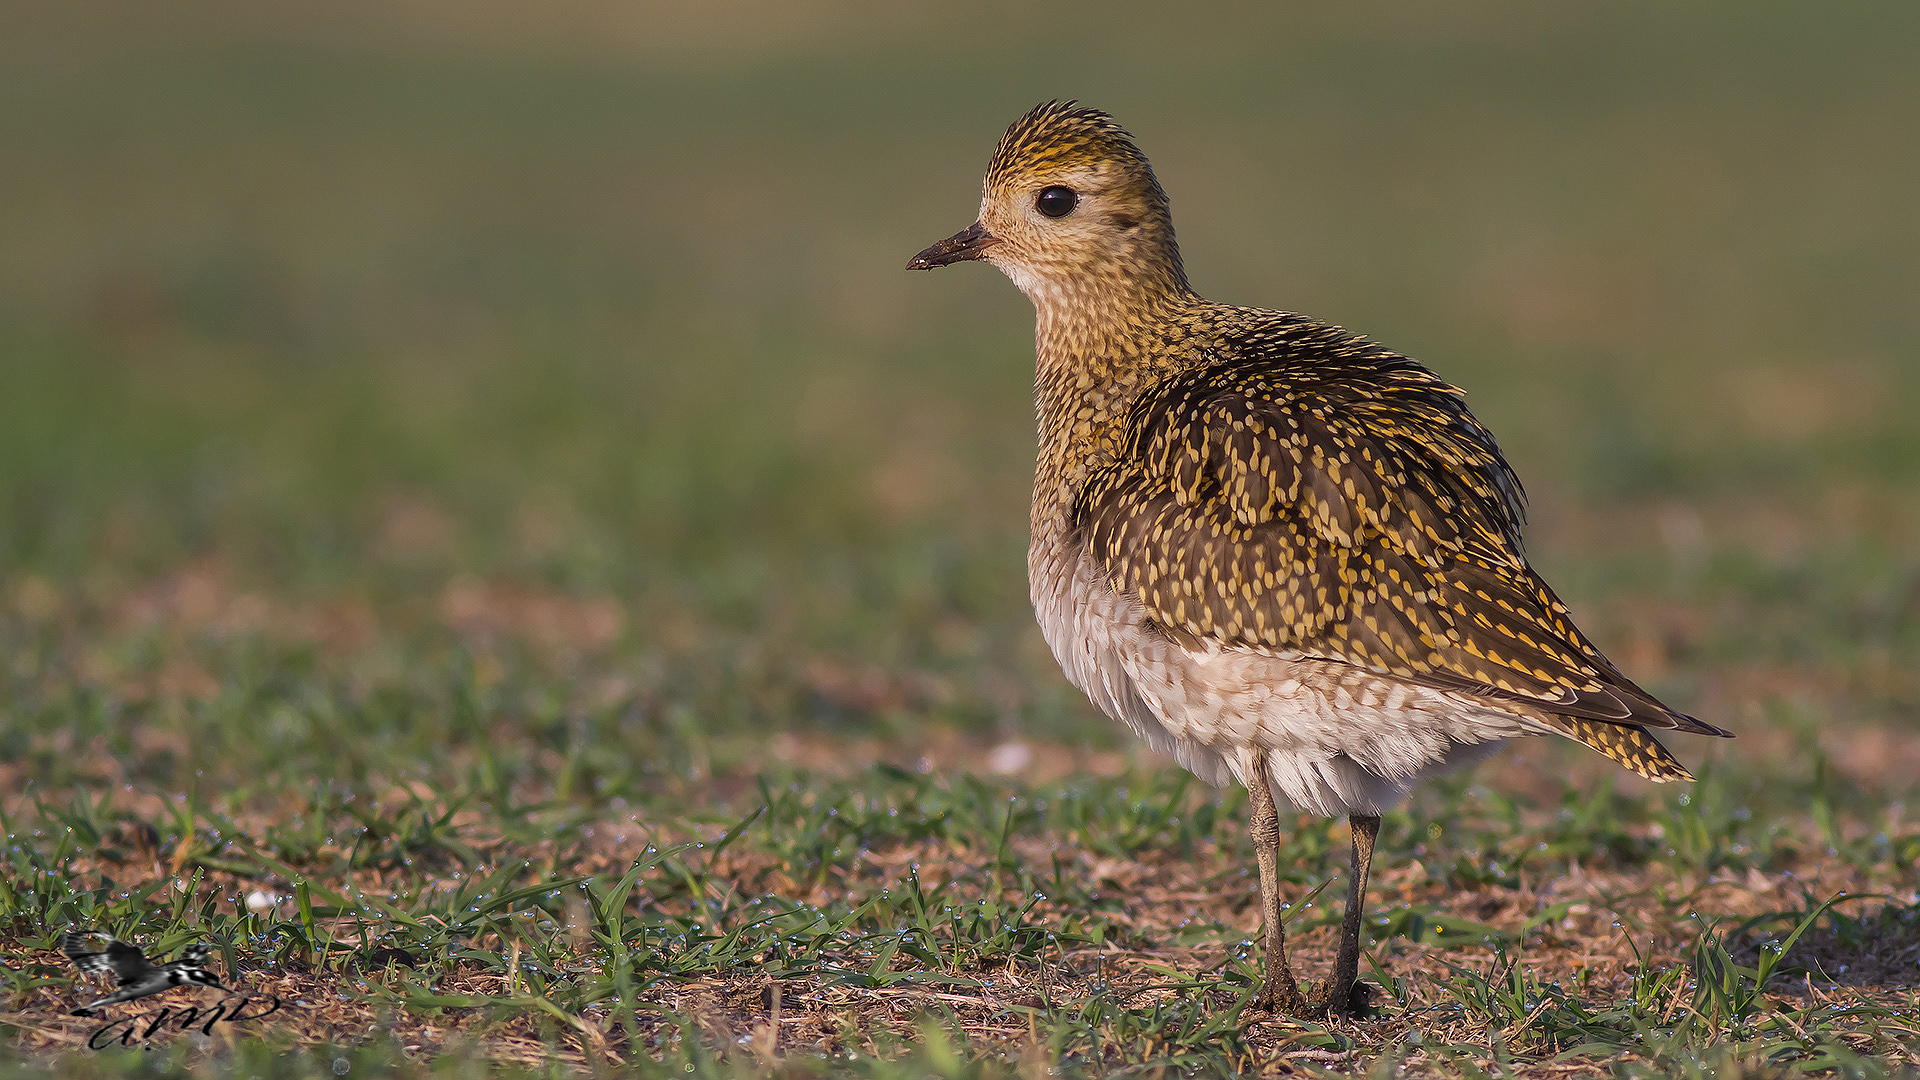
{"x": 1056, "y": 202}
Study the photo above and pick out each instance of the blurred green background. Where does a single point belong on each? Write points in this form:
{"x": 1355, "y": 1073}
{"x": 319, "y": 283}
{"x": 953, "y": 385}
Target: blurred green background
{"x": 382, "y": 384}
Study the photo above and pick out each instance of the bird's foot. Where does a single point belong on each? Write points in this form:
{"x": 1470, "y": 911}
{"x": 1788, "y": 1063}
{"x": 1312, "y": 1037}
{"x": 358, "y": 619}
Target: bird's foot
{"x": 1280, "y": 996}
{"x": 1322, "y": 1003}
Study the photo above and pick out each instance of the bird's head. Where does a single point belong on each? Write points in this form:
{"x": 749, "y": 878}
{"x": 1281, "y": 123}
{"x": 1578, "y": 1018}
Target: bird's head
{"x": 1070, "y": 211}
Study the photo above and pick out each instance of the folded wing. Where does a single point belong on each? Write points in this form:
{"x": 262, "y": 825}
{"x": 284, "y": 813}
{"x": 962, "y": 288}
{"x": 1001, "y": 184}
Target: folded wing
{"x": 1318, "y": 496}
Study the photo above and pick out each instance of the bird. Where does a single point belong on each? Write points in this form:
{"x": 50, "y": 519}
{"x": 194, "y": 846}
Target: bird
{"x": 1281, "y": 553}
{"x": 137, "y": 976}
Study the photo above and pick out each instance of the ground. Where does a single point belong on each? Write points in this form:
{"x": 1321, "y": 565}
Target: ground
{"x": 492, "y": 541}
{"x": 1007, "y": 925}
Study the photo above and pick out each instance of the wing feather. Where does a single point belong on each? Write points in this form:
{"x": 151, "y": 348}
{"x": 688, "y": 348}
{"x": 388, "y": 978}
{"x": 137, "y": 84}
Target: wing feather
{"x": 125, "y": 962}
{"x": 1310, "y": 493}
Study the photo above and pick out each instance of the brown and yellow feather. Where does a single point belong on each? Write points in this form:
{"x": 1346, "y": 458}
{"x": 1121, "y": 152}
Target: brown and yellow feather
{"x": 1260, "y": 480}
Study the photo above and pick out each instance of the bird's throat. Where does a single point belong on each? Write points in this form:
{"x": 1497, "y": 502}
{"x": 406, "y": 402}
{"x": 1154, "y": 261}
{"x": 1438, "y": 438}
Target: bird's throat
{"x": 1095, "y": 351}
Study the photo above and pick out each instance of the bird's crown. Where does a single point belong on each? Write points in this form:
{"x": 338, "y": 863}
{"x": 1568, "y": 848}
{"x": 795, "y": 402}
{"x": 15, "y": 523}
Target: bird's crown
{"x": 1058, "y": 135}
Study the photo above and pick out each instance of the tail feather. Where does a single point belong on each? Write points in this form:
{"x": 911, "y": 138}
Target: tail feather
{"x": 1627, "y": 744}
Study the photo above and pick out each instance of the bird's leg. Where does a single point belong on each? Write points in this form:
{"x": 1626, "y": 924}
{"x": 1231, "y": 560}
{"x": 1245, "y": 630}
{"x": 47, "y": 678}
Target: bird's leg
{"x": 1336, "y": 995}
{"x": 1277, "y": 988}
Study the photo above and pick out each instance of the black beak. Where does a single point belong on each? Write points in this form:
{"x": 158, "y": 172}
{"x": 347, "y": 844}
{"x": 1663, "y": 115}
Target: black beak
{"x": 971, "y": 243}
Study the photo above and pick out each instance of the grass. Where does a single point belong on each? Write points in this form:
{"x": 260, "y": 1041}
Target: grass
{"x": 491, "y": 541}
{"x": 895, "y": 921}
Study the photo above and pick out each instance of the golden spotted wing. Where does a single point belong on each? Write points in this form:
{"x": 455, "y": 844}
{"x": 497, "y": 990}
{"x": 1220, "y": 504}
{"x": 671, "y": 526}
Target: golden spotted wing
{"x": 1313, "y": 494}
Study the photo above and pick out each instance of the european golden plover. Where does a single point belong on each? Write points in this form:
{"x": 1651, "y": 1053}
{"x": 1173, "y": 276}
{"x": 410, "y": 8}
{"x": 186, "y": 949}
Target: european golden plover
{"x": 1277, "y": 551}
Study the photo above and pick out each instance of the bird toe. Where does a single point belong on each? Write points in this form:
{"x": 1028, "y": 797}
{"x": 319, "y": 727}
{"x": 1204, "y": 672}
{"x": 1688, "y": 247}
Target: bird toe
{"x": 1322, "y": 1005}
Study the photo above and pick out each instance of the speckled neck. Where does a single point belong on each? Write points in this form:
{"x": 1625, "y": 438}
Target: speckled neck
{"x": 1098, "y": 343}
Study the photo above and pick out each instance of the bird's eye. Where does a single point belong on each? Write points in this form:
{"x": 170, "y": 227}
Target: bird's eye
{"x": 1056, "y": 202}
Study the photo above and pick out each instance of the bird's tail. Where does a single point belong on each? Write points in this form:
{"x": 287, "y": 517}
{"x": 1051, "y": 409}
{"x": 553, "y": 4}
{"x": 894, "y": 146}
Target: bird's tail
{"x": 1630, "y": 745}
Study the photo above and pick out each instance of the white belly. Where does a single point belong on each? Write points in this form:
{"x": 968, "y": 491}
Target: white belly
{"x": 1339, "y": 740}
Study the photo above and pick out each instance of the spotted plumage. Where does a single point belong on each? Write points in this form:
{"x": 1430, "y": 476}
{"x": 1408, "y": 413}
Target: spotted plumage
{"x": 1307, "y": 493}
{"x": 1280, "y": 552}
{"x": 134, "y": 974}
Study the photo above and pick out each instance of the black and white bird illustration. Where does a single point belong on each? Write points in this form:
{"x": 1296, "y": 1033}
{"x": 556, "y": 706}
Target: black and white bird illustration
{"x": 138, "y": 977}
